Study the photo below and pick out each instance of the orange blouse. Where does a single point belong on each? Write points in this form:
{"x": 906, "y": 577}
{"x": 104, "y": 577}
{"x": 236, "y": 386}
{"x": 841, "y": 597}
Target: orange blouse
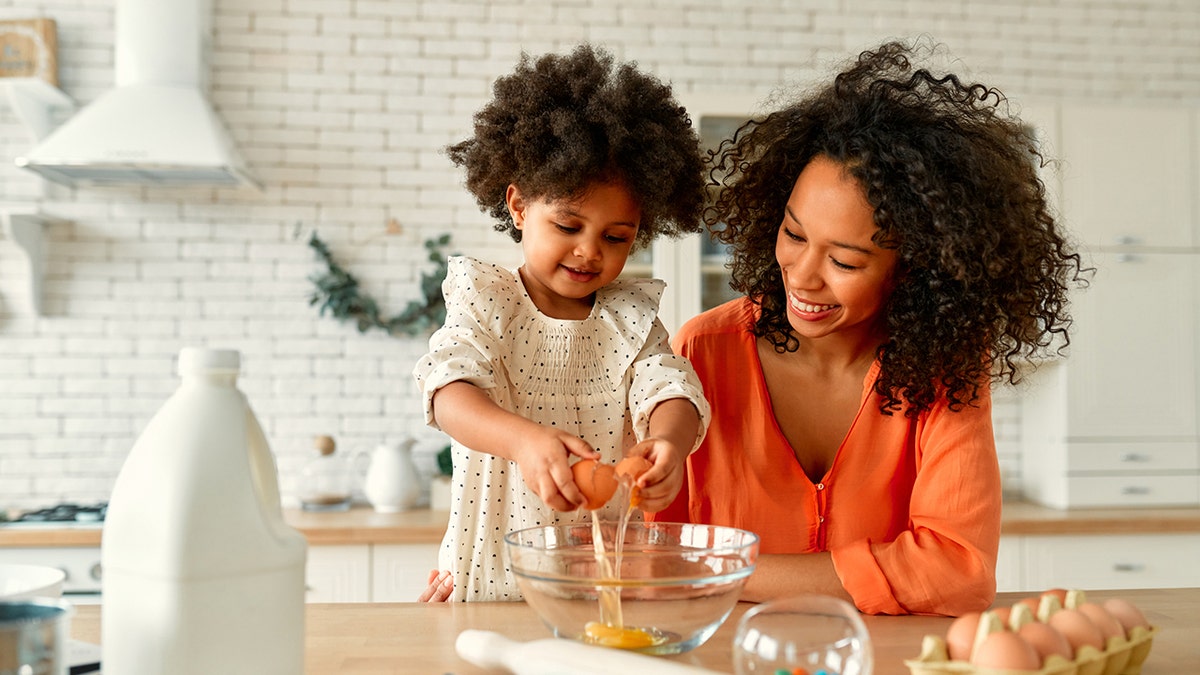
{"x": 909, "y": 509}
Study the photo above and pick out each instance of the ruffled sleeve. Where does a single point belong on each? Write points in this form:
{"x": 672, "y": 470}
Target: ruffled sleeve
{"x": 480, "y": 299}
{"x": 656, "y": 373}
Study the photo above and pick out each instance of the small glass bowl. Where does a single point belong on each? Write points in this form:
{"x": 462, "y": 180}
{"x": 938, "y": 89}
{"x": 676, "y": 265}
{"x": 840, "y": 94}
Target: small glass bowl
{"x": 804, "y": 635}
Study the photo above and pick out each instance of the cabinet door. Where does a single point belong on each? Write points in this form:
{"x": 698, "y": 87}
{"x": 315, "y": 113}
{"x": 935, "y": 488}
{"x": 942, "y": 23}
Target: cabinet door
{"x": 338, "y": 574}
{"x": 1112, "y": 561}
{"x": 400, "y": 571}
{"x": 1008, "y": 565}
{"x": 1132, "y": 361}
{"x": 694, "y": 266}
{"x": 1128, "y": 177}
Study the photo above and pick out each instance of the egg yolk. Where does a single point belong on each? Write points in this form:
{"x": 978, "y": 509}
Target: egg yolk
{"x": 621, "y": 638}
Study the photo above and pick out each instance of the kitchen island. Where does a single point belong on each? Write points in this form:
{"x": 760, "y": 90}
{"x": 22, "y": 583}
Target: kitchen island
{"x": 419, "y": 638}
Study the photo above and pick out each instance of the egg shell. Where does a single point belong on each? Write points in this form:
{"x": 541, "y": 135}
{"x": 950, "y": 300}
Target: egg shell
{"x": 1004, "y": 614}
{"x": 1127, "y": 614}
{"x": 1106, "y": 622}
{"x": 1060, "y": 593}
{"x": 960, "y": 636}
{"x": 1005, "y": 650}
{"x": 1079, "y": 630}
{"x": 597, "y": 481}
{"x": 1045, "y": 640}
{"x": 633, "y": 466}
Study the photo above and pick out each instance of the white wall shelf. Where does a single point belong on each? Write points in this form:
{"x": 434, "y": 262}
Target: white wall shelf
{"x": 25, "y": 227}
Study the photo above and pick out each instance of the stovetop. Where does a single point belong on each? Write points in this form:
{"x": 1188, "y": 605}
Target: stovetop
{"x": 62, "y": 515}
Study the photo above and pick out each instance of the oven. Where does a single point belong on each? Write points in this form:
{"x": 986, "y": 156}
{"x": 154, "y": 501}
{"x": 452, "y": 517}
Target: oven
{"x": 81, "y": 563}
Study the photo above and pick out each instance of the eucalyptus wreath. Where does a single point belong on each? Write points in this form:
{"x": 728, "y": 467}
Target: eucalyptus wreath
{"x": 337, "y": 292}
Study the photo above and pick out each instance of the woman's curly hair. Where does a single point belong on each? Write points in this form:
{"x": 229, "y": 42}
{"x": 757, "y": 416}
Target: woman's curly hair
{"x": 983, "y": 269}
{"x": 559, "y": 124}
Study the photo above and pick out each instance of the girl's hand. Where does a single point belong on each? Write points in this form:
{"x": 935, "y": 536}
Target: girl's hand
{"x": 441, "y": 584}
{"x": 542, "y": 457}
{"x": 661, "y": 482}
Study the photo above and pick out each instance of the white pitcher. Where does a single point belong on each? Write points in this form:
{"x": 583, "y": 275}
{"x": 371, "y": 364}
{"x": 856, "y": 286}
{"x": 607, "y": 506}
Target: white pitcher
{"x": 392, "y": 484}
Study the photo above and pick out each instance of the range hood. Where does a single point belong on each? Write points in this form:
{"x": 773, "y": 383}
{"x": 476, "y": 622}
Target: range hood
{"x": 156, "y": 126}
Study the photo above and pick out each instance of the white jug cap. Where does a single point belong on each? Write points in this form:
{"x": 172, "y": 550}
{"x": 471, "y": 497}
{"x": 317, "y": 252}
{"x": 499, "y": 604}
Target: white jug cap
{"x": 200, "y": 359}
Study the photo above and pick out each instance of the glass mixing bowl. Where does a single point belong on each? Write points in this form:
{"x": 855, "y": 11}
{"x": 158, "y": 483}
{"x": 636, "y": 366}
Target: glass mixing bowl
{"x": 666, "y": 591}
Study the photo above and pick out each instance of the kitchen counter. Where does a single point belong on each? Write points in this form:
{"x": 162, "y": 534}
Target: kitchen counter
{"x": 362, "y": 525}
{"x": 419, "y": 638}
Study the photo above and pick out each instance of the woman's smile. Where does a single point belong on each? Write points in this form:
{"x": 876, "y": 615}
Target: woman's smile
{"x": 809, "y": 311}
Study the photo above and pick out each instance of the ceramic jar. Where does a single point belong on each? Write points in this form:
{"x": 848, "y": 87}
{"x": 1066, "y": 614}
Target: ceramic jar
{"x": 392, "y": 483}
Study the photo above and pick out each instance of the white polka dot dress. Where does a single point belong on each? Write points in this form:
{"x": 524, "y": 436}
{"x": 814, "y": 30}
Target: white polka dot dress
{"x": 598, "y": 378}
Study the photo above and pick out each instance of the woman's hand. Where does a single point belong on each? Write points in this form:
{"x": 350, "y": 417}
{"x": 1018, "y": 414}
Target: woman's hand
{"x": 441, "y": 584}
{"x": 542, "y": 457}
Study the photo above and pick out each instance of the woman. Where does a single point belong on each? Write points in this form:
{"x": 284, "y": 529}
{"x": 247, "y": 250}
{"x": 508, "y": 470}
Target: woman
{"x": 896, "y": 252}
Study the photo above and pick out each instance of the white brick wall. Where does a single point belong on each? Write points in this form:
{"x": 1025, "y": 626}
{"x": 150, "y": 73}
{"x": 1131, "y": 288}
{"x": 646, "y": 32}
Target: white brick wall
{"x": 342, "y": 109}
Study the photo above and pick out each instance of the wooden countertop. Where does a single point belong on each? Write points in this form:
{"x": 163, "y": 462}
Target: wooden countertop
{"x": 419, "y": 638}
{"x": 362, "y": 525}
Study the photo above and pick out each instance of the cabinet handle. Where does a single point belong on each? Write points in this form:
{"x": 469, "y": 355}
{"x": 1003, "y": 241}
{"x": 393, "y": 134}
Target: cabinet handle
{"x": 1135, "y": 490}
{"x": 1125, "y": 258}
{"x": 1126, "y": 240}
{"x": 1129, "y": 567}
{"x": 1135, "y": 457}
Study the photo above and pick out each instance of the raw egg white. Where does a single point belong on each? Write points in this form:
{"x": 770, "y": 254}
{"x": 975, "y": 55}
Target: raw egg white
{"x": 1004, "y": 650}
{"x": 596, "y": 480}
{"x": 1126, "y": 613}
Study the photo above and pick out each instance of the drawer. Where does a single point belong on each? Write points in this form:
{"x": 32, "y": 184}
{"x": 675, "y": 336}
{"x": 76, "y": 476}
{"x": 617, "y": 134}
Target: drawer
{"x": 1112, "y": 561}
{"x": 1133, "y": 490}
{"x": 1133, "y": 456}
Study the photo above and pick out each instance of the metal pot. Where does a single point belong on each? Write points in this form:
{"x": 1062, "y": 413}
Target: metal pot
{"x": 33, "y": 636}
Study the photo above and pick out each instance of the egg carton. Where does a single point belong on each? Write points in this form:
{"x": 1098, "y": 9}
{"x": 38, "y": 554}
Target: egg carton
{"x": 1121, "y": 656}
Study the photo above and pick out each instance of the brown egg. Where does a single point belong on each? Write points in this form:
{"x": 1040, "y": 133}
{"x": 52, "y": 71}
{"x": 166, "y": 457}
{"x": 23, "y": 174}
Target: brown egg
{"x": 1077, "y": 628}
{"x": 1060, "y": 593}
{"x": 1031, "y": 603}
{"x": 634, "y": 467}
{"x": 960, "y": 636}
{"x": 1045, "y": 640}
{"x": 1004, "y": 614}
{"x": 597, "y": 482}
{"x": 1107, "y": 623}
{"x": 1005, "y": 650}
{"x": 1126, "y": 613}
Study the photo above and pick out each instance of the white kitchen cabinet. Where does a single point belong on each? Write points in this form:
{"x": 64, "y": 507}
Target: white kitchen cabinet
{"x": 1128, "y": 176}
{"x": 399, "y": 571}
{"x": 369, "y": 572}
{"x": 1115, "y": 423}
{"x": 1034, "y": 563}
{"x": 1009, "y": 566}
{"x": 693, "y": 266}
{"x": 339, "y": 574}
{"x": 1111, "y": 561}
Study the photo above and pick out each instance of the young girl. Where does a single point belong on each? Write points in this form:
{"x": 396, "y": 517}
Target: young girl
{"x": 897, "y": 252}
{"x": 579, "y": 162}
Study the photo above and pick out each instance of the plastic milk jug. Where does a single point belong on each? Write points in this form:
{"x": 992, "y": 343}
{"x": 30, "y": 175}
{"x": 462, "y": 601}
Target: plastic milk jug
{"x": 201, "y": 574}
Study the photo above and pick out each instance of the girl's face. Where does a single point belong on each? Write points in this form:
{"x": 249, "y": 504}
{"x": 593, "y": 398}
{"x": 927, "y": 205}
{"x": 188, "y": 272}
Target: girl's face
{"x": 573, "y": 248}
{"x": 836, "y": 278}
